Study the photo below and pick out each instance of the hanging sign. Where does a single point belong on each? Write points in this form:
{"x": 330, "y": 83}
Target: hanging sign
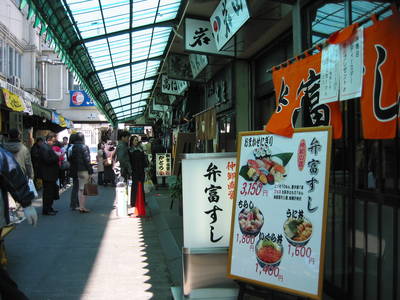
{"x": 197, "y": 63}
{"x": 79, "y": 99}
{"x": 163, "y": 164}
{"x": 342, "y": 69}
{"x": 13, "y": 101}
{"x": 280, "y": 210}
{"x": 227, "y": 19}
{"x": 173, "y": 86}
{"x": 199, "y": 38}
{"x": 28, "y": 106}
{"x": 351, "y": 66}
{"x": 55, "y": 118}
{"x": 208, "y": 181}
{"x": 329, "y": 77}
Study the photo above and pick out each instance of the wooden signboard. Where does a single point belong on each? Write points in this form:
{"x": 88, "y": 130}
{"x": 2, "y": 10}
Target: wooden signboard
{"x": 280, "y": 210}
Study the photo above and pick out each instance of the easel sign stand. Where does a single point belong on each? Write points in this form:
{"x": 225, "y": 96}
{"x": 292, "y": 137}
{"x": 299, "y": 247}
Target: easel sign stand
{"x": 279, "y": 213}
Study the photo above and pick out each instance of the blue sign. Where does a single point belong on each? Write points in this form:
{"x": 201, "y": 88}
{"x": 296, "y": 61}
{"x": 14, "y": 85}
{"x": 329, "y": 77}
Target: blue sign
{"x": 79, "y": 99}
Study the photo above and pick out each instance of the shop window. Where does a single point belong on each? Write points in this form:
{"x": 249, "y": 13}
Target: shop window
{"x": 326, "y": 18}
{"x": 227, "y": 133}
{"x": 19, "y": 63}
{"x": 264, "y": 107}
{"x": 10, "y": 61}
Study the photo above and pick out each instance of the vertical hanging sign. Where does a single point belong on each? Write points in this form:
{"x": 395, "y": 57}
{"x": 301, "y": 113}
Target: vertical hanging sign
{"x": 329, "y": 78}
{"x": 351, "y": 66}
{"x": 280, "y": 209}
{"x": 227, "y": 19}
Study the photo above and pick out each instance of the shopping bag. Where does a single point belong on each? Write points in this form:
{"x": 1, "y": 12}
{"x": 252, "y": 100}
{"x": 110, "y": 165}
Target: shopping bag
{"x": 90, "y": 188}
{"x": 148, "y": 186}
{"x": 32, "y": 187}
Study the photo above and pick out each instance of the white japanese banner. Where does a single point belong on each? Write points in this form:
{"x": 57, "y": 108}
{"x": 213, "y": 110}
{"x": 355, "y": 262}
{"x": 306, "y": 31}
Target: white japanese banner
{"x": 163, "y": 164}
{"x": 197, "y": 63}
{"x": 227, "y": 19}
{"x": 199, "y": 38}
{"x": 208, "y": 182}
{"x": 173, "y": 86}
{"x": 280, "y": 210}
{"x": 329, "y": 77}
{"x": 351, "y": 66}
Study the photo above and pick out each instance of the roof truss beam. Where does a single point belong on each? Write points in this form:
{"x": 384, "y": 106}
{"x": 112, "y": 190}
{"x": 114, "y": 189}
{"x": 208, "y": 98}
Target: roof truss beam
{"x": 170, "y": 23}
{"x": 126, "y": 84}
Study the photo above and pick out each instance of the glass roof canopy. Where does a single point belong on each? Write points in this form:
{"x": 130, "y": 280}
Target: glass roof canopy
{"x": 115, "y": 47}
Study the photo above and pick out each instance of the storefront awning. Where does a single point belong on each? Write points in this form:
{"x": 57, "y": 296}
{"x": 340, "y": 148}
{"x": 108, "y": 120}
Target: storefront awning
{"x": 41, "y": 111}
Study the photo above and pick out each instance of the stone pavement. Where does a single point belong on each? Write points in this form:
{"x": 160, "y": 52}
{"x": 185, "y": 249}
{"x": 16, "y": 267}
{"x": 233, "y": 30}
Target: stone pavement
{"x": 96, "y": 255}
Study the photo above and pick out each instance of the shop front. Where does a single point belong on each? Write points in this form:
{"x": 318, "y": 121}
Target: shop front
{"x": 362, "y": 238}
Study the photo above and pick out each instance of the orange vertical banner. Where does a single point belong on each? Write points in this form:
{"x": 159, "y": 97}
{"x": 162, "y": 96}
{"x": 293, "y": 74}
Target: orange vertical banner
{"x": 381, "y": 83}
{"x": 297, "y": 86}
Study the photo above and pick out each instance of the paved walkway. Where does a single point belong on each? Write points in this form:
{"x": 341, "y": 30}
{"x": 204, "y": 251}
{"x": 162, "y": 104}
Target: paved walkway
{"x": 92, "y": 256}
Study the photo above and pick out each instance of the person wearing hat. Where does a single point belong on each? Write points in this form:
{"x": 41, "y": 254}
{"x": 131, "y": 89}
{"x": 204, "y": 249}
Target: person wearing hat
{"x": 21, "y": 153}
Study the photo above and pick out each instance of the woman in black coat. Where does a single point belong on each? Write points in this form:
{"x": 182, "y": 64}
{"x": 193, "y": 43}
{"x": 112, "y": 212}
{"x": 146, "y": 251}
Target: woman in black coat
{"x": 81, "y": 167}
{"x": 138, "y": 162}
{"x": 49, "y": 170}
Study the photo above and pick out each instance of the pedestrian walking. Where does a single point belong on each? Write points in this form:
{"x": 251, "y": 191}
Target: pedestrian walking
{"x": 35, "y": 156}
{"x": 109, "y": 174}
{"x": 138, "y": 162}
{"x": 74, "y": 200}
{"x": 101, "y": 157}
{"x": 49, "y": 168}
{"x": 13, "y": 181}
{"x": 81, "y": 168}
{"x": 21, "y": 153}
{"x": 123, "y": 155}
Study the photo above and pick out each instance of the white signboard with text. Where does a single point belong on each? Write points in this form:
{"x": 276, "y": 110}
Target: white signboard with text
{"x": 351, "y": 66}
{"x": 199, "y": 37}
{"x": 197, "y": 63}
{"x": 227, "y": 19}
{"x": 173, "y": 86}
{"x": 280, "y": 208}
{"x": 342, "y": 70}
{"x": 163, "y": 164}
{"x": 329, "y": 78}
{"x": 208, "y": 182}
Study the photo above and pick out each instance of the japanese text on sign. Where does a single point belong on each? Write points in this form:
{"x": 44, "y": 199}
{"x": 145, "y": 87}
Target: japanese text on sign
{"x": 279, "y": 217}
{"x": 163, "y": 164}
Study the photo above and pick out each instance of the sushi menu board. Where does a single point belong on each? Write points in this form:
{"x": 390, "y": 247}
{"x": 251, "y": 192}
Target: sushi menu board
{"x": 280, "y": 209}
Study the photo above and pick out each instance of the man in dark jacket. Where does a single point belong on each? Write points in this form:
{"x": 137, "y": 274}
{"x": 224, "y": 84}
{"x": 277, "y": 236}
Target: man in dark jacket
{"x": 123, "y": 154}
{"x": 49, "y": 169}
{"x": 13, "y": 181}
{"x": 35, "y": 156}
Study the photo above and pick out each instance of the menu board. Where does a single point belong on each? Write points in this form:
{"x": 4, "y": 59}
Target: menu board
{"x": 280, "y": 208}
{"x": 163, "y": 164}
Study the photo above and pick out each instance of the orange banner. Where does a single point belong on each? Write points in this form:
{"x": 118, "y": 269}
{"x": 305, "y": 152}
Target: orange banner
{"x": 381, "y": 83}
{"x": 297, "y": 86}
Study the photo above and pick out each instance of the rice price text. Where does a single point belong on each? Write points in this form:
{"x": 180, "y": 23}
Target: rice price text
{"x": 270, "y": 271}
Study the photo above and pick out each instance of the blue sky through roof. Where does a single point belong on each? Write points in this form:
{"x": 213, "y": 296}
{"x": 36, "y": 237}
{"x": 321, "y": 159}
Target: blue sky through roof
{"x": 111, "y": 56}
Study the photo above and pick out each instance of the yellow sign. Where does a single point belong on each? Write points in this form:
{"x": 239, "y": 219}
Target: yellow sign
{"x": 62, "y": 121}
{"x": 13, "y": 101}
